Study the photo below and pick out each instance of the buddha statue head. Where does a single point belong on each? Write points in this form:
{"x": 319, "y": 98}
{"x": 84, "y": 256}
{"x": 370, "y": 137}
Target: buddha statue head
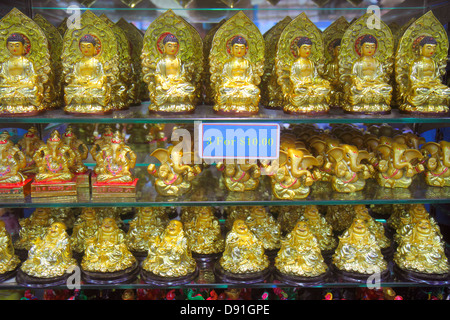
{"x": 55, "y": 231}
{"x": 423, "y": 227}
{"x": 311, "y": 212}
{"x": 368, "y": 45}
{"x": 174, "y": 228}
{"x": 301, "y": 229}
{"x": 41, "y": 216}
{"x": 304, "y": 45}
{"x": 171, "y": 45}
{"x": 88, "y": 45}
{"x": 239, "y": 47}
{"x": 336, "y": 47}
{"x": 240, "y": 227}
{"x": 427, "y": 46}
{"x": 108, "y": 227}
{"x": 358, "y": 227}
{"x": 16, "y": 44}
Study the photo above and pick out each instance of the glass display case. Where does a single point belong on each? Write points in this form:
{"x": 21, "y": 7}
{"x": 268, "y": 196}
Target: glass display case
{"x": 145, "y": 132}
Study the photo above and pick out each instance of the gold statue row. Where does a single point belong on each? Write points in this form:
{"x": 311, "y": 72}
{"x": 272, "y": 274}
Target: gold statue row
{"x": 302, "y": 243}
{"x": 102, "y": 66}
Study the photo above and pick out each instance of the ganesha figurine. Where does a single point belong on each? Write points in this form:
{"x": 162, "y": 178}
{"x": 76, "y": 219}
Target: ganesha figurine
{"x": 28, "y": 144}
{"x": 81, "y": 152}
{"x": 437, "y": 163}
{"x": 9, "y": 261}
{"x": 240, "y": 177}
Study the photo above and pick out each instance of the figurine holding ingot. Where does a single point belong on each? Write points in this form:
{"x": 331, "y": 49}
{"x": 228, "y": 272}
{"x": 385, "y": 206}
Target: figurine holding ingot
{"x": 421, "y": 60}
{"x": 90, "y": 66}
{"x": 365, "y": 66}
{"x": 24, "y": 65}
{"x": 9, "y": 261}
{"x": 172, "y": 62}
{"x": 298, "y": 61}
{"x": 237, "y": 63}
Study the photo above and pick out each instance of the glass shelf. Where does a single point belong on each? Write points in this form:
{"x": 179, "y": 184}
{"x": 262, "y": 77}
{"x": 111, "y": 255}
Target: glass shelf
{"x": 204, "y": 113}
{"x": 207, "y": 191}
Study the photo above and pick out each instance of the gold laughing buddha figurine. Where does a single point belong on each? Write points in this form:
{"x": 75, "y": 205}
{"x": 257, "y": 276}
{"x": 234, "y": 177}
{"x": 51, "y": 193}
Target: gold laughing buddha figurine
{"x": 9, "y": 261}
{"x": 85, "y": 228}
{"x": 365, "y": 63}
{"x": 237, "y": 63}
{"x": 32, "y": 228}
{"x": 24, "y": 65}
{"x": 263, "y": 225}
{"x": 90, "y": 66}
{"x": 172, "y": 60}
{"x": 421, "y": 60}
{"x": 299, "y": 55}
{"x": 321, "y": 229}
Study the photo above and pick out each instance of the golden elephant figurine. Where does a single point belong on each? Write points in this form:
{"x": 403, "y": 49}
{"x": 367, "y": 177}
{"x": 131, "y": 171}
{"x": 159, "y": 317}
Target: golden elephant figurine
{"x": 240, "y": 177}
{"x": 437, "y": 163}
{"x": 397, "y": 165}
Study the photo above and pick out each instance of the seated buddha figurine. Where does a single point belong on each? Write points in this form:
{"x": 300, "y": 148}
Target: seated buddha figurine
{"x": 107, "y": 253}
{"x": 28, "y": 144}
{"x": 358, "y": 252}
{"x": 237, "y": 92}
{"x": 300, "y": 255}
{"x": 332, "y": 74}
{"x": 169, "y": 256}
{"x": 321, "y": 229}
{"x": 20, "y": 91}
{"x": 375, "y": 227}
{"x": 368, "y": 91}
{"x": 84, "y": 229}
{"x": 114, "y": 161}
{"x": 426, "y": 92}
{"x": 148, "y": 222}
{"x": 287, "y": 216}
{"x": 50, "y": 256}
{"x": 173, "y": 91}
{"x": 204, "y": 234}
{"x": 12, "y": 161}
{"x": 244, "y": 253}
{"x": 340, "y": 216}
{"x": 263, "y": 225}
{"x": 9, "y": 261}
{"x": 421, "y": 253}
{"x": 310, "y": 93}
{"x": 54, "y": 160}
{"x": 33, "y": 227}
{"x": 87, "y": 89}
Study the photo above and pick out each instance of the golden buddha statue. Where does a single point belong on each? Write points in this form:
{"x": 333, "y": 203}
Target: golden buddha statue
{"x": 300, "y": 255}
{"x": 50, "y": 256}
{"x": 12, "y": 161}
{"x": 240, "y": 177}
{"x": 90, "y": 66}
{"x": 421, "y": 60}
{"x": 85, "y": 228}
{"x": 33, "y": 227}
{"x": 340, "y": 217}
{"x": 107, "y": 252}
{"x": 321, "y": 229}
{"x": 24, "y": 65}
{"x": 148, "y": 222}
{"x": 422, "y": 251}
{"x": 115, "y": 161}
{"x": 365, "y": 65}
{"x": 375, "y": 227}
{"x": 358, "y": 251}
{"x": 9, "y": 261}
{"x": 233, "y": 213}
{"x": 204, "y": 233}
{"x": 437, "y": 163}
{"x": 237, "y": 63}
{"x": 79, "y": 149}
{"x": 244, "y": 252}
{"x": 54, "y": 160}
{"x": 172, "y": 62}
{"x": 264, "y": 226}
{"x": 287, "y": 216}
{"x": 169, "y": 255}
{"x": 28, "y": 144}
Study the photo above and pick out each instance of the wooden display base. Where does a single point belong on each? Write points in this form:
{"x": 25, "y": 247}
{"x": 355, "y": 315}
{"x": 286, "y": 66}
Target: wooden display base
{"x": 345, "y": 276}
{"x": 83, "y": 179}
{"x": 15, "y": 190}
{"x": 206, "y": 258}
{"x": 114, "y": 190}
{"x": 124, "y": 276}
{"x": 54, "y": 189}
{"x": 8, "y": 275}
{"x": 301, "y": 281}
{"x": 22, "y": 254}
{"x": 240, "y": 278}
{"x": 139, "y": 255}
{"x": 33, "y": 282}
{"x": 271, "y": 254}
{"x": 428, "y": 278}
{"x": 151, "y": 278}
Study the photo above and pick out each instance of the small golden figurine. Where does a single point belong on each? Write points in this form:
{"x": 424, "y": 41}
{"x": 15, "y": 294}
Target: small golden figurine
{"x": 300, "y": 259}
{"x": 85, "y": 228}
{"x": 420, "y": 63}
{"x": 204, "y": 234}
{"x": 437, "y": 163}
{"x": 240, "y": 177}
{"x": 24, "y": 65}
{"x": 375, "y": 227}
{"x": 90, "y": 66}
{"x": 264, "y": 226}
{"x": 148, "y": 222}
{"x": 79, "y": 148}
{"x": 244, "y": 259}
{"x": 28, "y": 144}
{"x": 106, "y": 258}
{"x": 9, "y": 261}
{"x": 233, "y": 213}
{"x": 322, "y": 230}
{"x": 172, "y": 62}
{"x": 358, "y": 254}
{"x": 365, "y": 65}
{"x": 319, "y": 148}
{"x": 287, "y": 216}
{"x": 175, "y": 174}
{"x": 49, "y": 258}
{"x": 237, "y": 63}
{"x": 169, "y": 258}
{"x": 397, "y": 165}
{"x": 299, "y": 56}
{"x": 32, "y": 228}
{"x": 421, "y": 254}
